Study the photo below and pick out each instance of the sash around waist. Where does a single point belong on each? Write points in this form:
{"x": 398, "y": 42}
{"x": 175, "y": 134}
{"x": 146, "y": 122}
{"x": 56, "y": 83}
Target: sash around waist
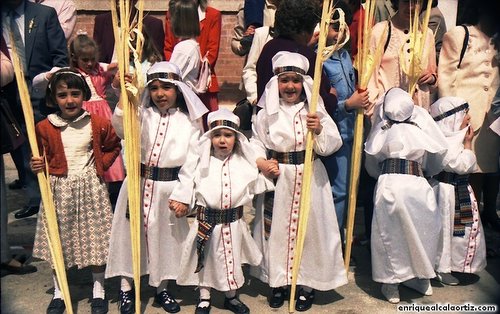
{"x": 401, "y": 166}
{"x": 292, "y": 158}
{"x": 218, "y": 216}
{"x": 159, "y": 174}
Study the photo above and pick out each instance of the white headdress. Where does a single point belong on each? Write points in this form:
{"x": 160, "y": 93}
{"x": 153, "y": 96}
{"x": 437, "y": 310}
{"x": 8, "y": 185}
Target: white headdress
{"x": 449, "y": 112}
{"x": 283, "y": 62}
{"x": 219, "y": 119}
{"x": 401, "y": 129}
{"x": 168, "y": 72}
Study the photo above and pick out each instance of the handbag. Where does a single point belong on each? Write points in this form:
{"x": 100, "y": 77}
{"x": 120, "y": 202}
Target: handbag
{"x": 244, "y": 110}
{"x": 12, "y": 137}
{"x": 204, "y": 76}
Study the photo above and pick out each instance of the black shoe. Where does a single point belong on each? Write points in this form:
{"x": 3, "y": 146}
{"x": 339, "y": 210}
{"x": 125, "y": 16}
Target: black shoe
{"x": 56, "y": 306}
{"x": 99, "y": 306}
{"x": 27, "y": 211}
{"x": 304, "y": 301}
{"x": 18, "y": 270}
{"x": 167, "y": 302}
{"x": 203, "y": 310}
{"x": 16, "y": 185}
{"x": 236, "y": 307}
{"x": 127, "y": 302}
{"x": 277, "y": 298}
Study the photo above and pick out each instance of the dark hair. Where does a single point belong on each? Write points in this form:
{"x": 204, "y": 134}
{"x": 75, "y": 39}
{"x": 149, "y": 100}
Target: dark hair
{"x": 470, "y": 12}
{"x": 149, "y": 50}
{"x": 294, "y": 17}
{"x": 347, "y": 13}
{"x": 72, "y": 79}
{"x": 203, "y": 4}
{"x": 184, "y": 18}
{"x": 80, "y": 43}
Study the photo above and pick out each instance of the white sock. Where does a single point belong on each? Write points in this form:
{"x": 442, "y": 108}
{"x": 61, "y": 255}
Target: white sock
{"x": 57, "y": 291}
{"x": 204, "y": 295}
{"x": 162, "y": 287}
{"x": 98, "y": 291}
{"x": 126, "y": 284}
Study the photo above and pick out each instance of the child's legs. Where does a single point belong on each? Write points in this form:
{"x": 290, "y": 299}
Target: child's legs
{"x": 340, "y": 182}
{"x": 98, "y": 279}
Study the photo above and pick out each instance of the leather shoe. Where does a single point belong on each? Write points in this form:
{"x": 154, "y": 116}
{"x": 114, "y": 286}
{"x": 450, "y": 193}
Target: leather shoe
{"x": 127, "y": 302}
{"x": 99, "y": 306}
{"x": 27, "y": 211}
{"x": 16, "y": 185}
{"x": 18, "y": 270}
{"x": 235, "y": 305}
{"x": 56, "y": 306}
{"x": 304, "y": 301}
{"x": 167, "y": 302}
{"x": 204, "y": 309}
{"x": 277, "y": 298}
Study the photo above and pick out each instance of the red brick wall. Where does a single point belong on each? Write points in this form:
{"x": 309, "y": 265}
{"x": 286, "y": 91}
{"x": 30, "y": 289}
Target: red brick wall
{"x": 228, "y": 66}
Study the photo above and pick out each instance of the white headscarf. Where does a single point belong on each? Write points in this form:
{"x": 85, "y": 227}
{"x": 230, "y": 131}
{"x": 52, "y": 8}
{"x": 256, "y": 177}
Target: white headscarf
{"x": 168, "y": 72}
{"x": 401, "y": 128}
{"x": 286, "y": 62}
{"x": 220, "y": 119}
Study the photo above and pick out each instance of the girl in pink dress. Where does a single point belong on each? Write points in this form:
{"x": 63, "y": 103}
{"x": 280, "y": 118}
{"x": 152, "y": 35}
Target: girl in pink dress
{"x": 99, "y": 76}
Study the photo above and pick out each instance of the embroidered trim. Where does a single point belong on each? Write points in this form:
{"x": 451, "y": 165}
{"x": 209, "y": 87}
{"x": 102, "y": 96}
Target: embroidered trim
{"x": 291, "y": 68}
{"x": 227, "y": 123}
{"x": 159, "y": 174}
{"x": 163, "y": 75}
{"x": 401, "y": 166}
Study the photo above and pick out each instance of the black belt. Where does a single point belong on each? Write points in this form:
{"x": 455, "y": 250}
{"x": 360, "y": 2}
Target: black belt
{"x": 291, "y": 158}
{"x": 159, "y": 174}
{"x": 208, "y": 218}
{"x": 401, "y": 166}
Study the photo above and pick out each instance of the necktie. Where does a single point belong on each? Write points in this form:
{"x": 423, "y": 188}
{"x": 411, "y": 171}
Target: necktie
{"x": 18, "y": 39}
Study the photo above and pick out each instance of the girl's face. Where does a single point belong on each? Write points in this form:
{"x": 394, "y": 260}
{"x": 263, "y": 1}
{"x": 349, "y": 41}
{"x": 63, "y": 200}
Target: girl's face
{"x": 290, "y": 87}
{"x": 86, "y": 61}
{"x": 69, "y": 100}
{"x": 223, "y": 142}
{"x": 406, "y": 9}
{"x": 163, "y": 95}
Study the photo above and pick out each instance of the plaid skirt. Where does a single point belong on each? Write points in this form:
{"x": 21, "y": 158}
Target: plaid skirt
{"x": 84, "y": 217}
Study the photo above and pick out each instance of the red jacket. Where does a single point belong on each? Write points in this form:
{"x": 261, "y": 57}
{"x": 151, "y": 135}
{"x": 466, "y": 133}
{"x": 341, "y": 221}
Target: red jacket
{"x": 209, "y": 40}
{"x": 106, "y": 145}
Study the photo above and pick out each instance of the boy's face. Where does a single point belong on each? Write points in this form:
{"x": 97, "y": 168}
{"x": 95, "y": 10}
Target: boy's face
{"x": 69, "y": 100}
{"x": 223, "y": 142}
{"x": 290, "y": 87}
{"x": 333, "y": 34}
{"x": 163, "y": 95}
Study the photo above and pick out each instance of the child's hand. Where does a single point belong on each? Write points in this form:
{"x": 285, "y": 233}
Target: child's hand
{"x": 112, "y": 67}
{"x": 428, "y": 78}
{"x": 37, "y": 164}
{"x": 469, "y": 135}
{"x": 179, "y": 208}
{"x": 270, "y": 168}
{"x": 116, "y": 79}
{"x": 359, "y": 99}
{"x": 314, "y": 123}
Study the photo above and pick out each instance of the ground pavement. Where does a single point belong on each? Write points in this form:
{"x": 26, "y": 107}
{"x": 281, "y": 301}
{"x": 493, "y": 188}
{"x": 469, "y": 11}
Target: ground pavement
{"x": 31, "y": 293}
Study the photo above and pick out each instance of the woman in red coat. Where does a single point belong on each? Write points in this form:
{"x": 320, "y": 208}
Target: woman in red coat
{"x": 209, "y": 40}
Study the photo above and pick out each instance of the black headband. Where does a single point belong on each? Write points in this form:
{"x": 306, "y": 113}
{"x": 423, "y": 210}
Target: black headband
{"x": 163, "y": 75}
{"x": 448, "y": 113}
{"x": 290, "y": 68}
{"x": 227, "y": 123}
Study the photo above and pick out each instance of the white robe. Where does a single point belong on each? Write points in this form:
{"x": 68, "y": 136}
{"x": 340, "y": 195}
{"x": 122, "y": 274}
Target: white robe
{"x": 231, "y": 182}
{"x": 465, "y": 254}
{"x": 322, "y": 265}
{"x": 167, "y": 141}
{"x": 186, "y": 55}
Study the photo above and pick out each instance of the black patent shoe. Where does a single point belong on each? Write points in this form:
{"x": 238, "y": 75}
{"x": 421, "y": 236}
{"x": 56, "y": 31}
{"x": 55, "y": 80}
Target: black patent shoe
{"x": 99, "y": 306}
{"x": 27, "y": 211}
{"x": 167, "y": 302}
{"x": 17, "y": 185}
{"x": 205, "y": 309}
{"x": 127, "y": 302}
{"x": 304, "y": 301}
{"x": 56, "y": 306}
{"x": 235, "y": 305}
{"x": 277, "y": 298}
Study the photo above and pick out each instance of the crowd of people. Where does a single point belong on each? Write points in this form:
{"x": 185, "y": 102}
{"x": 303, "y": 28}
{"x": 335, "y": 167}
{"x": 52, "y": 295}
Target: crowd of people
{"x": 430, "y": 178}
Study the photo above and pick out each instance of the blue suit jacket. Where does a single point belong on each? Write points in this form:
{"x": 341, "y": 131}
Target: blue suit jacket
{"x": 45, "y": 47}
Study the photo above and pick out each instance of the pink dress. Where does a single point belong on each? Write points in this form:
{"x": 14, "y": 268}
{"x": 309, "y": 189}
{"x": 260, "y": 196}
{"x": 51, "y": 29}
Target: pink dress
{"x": 97, "y": 104}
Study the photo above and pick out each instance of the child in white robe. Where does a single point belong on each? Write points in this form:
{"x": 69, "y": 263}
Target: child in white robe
{"x": 170, "y": 128}
{"x": 219, "y": 242}
{"x": 404, "y": 142}
{"x": 463, "y": 247}
{"x": 279, "y": 139}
